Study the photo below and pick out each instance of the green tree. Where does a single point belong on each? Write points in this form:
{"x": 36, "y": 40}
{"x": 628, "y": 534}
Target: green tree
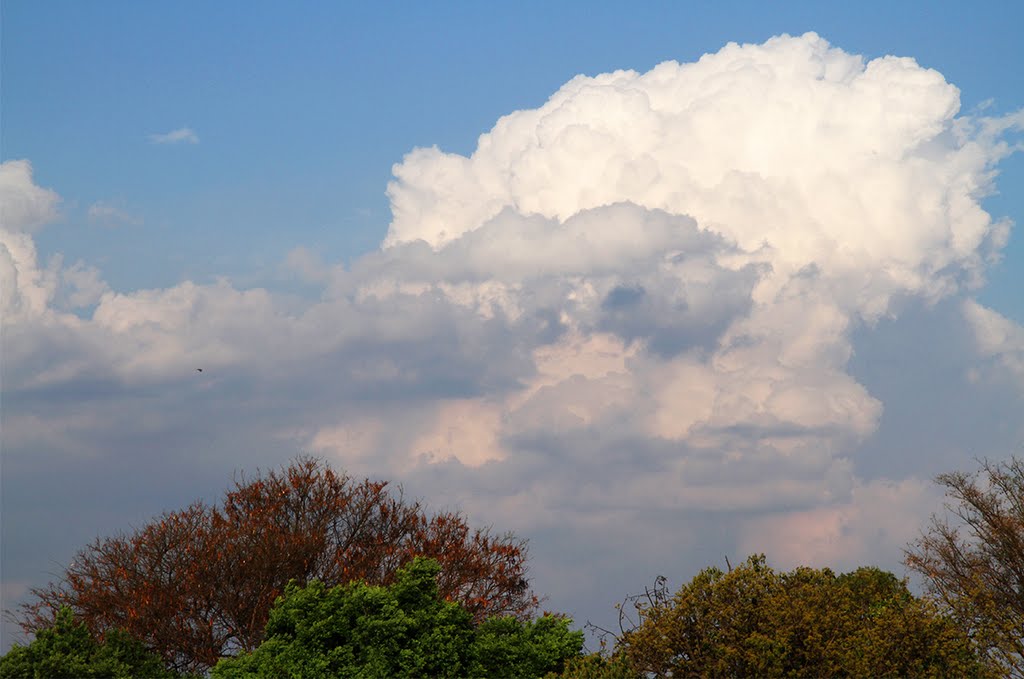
{"x": 973, "y": 561}
{"x": 507, "y": 647}
{"x": 753, "y": 621}
{"x": 405, "y": 629}
{"x": 67, "y": 649}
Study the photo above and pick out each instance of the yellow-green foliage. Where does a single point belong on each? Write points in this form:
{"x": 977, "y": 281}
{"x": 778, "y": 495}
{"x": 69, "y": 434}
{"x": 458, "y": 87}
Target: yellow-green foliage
{"x": 973, "y": 562}
{"x": 753, "y": 621}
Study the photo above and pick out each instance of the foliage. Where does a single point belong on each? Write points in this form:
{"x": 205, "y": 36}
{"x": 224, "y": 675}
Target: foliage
{"x": 506, "y": 647}
{"x": 198, "y": 584}
{"x": 598, "y": 666}
{"x": 979, "y": 579}
{"x": 752, "y": 621}
{"x": 67, "y": 649}
{"x": 402, "y": 630}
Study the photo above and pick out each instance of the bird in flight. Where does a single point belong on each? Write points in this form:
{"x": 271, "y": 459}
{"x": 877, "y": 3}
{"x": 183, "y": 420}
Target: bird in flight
{"x": 199, "y": 370}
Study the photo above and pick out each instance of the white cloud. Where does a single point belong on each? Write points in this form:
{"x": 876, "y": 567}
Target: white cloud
{"x": 24, "y": 206}
{"x": 835, "y": 185}
{"x": 182, "y": 135}
{"x": 24, "y": 287}
{"x": 997, "y": 337}
{"x": 793, "y": 144}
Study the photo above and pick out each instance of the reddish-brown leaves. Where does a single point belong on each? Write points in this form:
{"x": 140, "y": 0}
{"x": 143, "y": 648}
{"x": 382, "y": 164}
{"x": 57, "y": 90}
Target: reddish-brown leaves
{"x": 198, "y": 584}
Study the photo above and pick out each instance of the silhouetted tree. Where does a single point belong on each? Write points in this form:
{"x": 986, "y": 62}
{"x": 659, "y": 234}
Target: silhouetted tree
{"x": 198, "y": 584}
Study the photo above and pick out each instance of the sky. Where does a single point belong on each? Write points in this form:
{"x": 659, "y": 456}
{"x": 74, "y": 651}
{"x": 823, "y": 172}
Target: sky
{"x": 650, "y": 286}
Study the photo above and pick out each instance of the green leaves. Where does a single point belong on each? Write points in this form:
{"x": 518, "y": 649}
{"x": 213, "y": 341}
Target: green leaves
{"x": 402, "y": 630}
{"x": 67, "y": 649}
{"x": 506, "y": 647}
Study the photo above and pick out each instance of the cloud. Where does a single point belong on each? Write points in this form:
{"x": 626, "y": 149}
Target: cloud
{"x": 182, "y": 135}
{"x": 881, "y": 517}
{"x": 793, "y": 145}
{"x": 792, "y": 161}
{"x": 997, "y": 337}
{"x": 24, "y": 206}
{"x": 629, "y": 317}
{"x": 111, "y": 215}
{"x": 306, "y": 265}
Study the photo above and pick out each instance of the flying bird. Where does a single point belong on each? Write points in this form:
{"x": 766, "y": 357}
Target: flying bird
{"x": 199, "y": 370}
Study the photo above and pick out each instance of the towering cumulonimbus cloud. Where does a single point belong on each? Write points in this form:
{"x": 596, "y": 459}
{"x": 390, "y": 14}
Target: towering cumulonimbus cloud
{"x": 641, "y": 298}
{"x": 861, "y": 170}
{"x": 708, "y": 236}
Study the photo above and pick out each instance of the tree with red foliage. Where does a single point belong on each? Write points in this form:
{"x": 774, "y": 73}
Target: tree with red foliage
{"x": 197, "y": 585}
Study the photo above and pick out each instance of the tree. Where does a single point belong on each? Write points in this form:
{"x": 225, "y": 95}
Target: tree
{"x": 67, "y": 649}
{"x": 403, "y": 630}
{"x": 974, "y": 566}
{"x": 752, "y": 621}
{"x": 507, "y": 647}
{"x": 599, "y": 666}
{"x": 198, "y": 584}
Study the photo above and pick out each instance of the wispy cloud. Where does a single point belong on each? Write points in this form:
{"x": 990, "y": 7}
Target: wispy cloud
{"x": 182, "y": 135}
{"x": 106, "y": 214}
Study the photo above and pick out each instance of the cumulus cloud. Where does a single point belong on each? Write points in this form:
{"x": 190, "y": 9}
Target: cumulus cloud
{"x": 24, "y": 206}
{"x": 704, "y": 240}
{"x": 997, "y": 337}
{"x": 182, "y": 135}
{"x": 861, "y": 170}
{"x": 633, "y": 307}
{"x": 728, "y": 223}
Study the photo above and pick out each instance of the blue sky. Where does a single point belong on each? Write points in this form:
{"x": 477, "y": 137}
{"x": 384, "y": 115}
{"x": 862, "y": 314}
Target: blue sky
{"x": 715, "y": 309}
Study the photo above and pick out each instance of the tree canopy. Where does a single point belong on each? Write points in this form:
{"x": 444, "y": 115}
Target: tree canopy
{"x": 973, "y": 562}
{"x": 197, "y": 584}
{"x": 305, "y": 572}
{"x": 405, "y": 629}
{"x": 753, "y": 621}
{"x": 67, "y": 649}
